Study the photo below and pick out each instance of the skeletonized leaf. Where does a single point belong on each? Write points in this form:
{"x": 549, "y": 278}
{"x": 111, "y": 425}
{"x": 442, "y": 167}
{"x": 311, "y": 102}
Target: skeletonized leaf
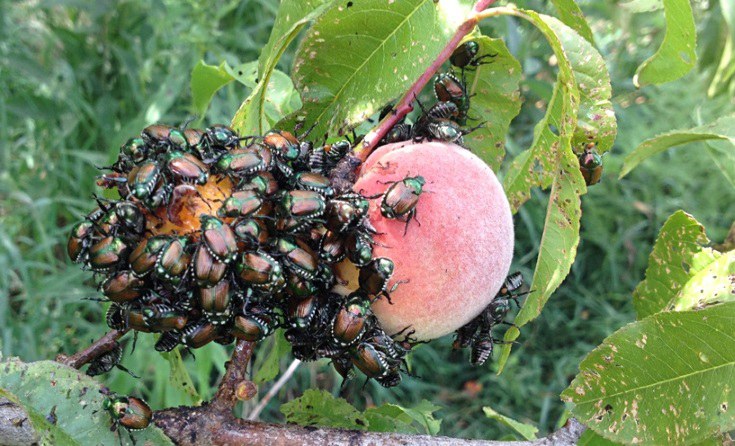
{"x": 681, "y": 237}
{"x": 572, "y": 16}
{"x": 48, "y": 432}
{"x": 360, "y": 55}
{"x": 250, "y": 118}
{"x": 666, "y": 379}
{"x": 205, "y": 81}
{"x": 75, "y": 399}
{"x": 527, "y": 431}
{"x": 676, "y": 56}
{"x": 721, "y": 129}
{"x": 496, "y": 100}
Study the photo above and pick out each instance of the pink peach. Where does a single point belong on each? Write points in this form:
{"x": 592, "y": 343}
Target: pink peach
{"x": 456, "y": 253}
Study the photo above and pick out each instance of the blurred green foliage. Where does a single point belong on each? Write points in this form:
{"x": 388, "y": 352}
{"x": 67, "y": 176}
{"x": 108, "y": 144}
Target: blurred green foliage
{"x": 79, "y": 77}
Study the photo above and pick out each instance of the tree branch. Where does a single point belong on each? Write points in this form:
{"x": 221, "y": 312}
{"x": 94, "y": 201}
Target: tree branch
{"x": 197, "y": 425}
{"x": 98, "y": 347}
{"x": 235, "y": 377}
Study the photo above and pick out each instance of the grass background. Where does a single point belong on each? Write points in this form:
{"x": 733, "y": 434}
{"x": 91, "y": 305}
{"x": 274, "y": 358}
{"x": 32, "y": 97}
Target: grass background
{"x": 79, "y": 77}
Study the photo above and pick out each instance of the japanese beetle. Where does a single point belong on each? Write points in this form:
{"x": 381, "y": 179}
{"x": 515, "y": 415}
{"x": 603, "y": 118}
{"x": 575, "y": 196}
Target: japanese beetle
{"x": 301, "y": 313}
{"x": 160, "y": 196}
{"x": 283, "y": 144}
{"x": 117, "y": 317}
{"x": 106, "y": 361}
{"x": 375, "y": 275}
{"x": 299, "y": 288}
{"x": 401, "y": 198}
{"x": 123, "y": 286}
{"x": 173, "y": 260}
{"x": 301, "y": 204}
{"x": 144, "y": 257}
{"x": 187, "y": 167}
{"x": 313, "y": 182}
{"x": 332, "y": 247}
{"x": 343, "y": 365}
{"x": 107, "y": 253}
{"x": 216, "y": 302}
{"x": 259, "y": 269}
{"x": 317, "y": 160}
{"x": 156, "y": 134}
{"x": 221, "y": 135}
{"x": 198, "y": 334}
{"x": 129, "y": 412}
{"x": 168, "y": 341}
{"x": 346, "y": 211}
{"x": 359, "y": 248}
{"x": 397, "y": 133}
{"x": 219, "y": 238}
{"x": 142, "y": 179}
{"x": 208, "y": 271}
{"x": 245, "y": 162}
{"x": 135, "y": 150}
{"x": 242, "y": 203}
{"x": 375, "y": 364}
{"x": 79, "y": 242}
{"x": 253, "y": 324}
{"x": 130, "y": 216}
{"x": 161, "y": 317}
{"x": 297, "y": 257}
{"x": 466, "y": 55}
{"x": 590, "y": 164}
{"x": 352, "y": 320}
{"x": 252, "y": 232}
{"x": 448, "y": 88}
{"x": 263, "y": 182}
{"x": 482, "y": 348}
{"x": 337, "y": 150}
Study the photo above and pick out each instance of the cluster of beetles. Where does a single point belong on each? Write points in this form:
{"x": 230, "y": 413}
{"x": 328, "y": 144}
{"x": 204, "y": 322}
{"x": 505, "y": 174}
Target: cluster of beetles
{"x": 263, "y": 257}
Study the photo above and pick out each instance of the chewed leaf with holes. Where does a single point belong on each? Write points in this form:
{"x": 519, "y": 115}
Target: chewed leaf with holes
{"x": 496, "y": 100}
{"x": 70, "y": 404}
{"x": 677, "y": 53}
{"x": 680, "y": 239}
{"x": 320, "y": 408}
{"x": 664, "y": 380}
{"x": 359, "y": 55}
{"x": 712, "y": 280}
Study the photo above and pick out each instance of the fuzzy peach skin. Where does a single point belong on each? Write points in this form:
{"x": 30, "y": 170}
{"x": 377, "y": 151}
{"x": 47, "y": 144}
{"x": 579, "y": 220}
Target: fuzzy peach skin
{"x": 456, "y": 259}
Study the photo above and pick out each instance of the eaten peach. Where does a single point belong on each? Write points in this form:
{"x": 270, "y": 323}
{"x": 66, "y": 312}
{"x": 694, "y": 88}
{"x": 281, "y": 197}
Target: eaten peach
{"x": 455, "y": 254}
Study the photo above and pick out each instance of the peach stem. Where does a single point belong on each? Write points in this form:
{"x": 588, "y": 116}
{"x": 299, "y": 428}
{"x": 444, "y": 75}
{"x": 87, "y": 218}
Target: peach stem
{"x": 404, "y": 106}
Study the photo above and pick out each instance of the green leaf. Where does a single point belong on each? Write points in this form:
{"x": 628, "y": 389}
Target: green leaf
{"x": 666, "y": 379}
{"x": 681, "y": 237}
{"x": 271, "y": 366}
{"x": 205, "y": 81}
{"x": 250, "y": 118}
{"x": 677, "y": 53}
{"x": 723, "y": 156}
{"x": 583, "y": 80}
{"x": 721, "y": 129}
{"x": 591, "y": 438}
{"x": 355, "y": 59}
{"x": 526, "y": 431}
{"x": 320, "y": 408}
{"x": 423, "y": 413}
{"x": 290, "y": 12}
{"x": 496, "y": 100}
{"x": 559, "y": 167}
{"x": 80, "y": 419}
{"x": 572, "y": 16}
{"x": 642, "y": 5}
{"x": 179, "y": 377}
{"x": 711, "y": 282}
{"x": 49, "y": 432}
